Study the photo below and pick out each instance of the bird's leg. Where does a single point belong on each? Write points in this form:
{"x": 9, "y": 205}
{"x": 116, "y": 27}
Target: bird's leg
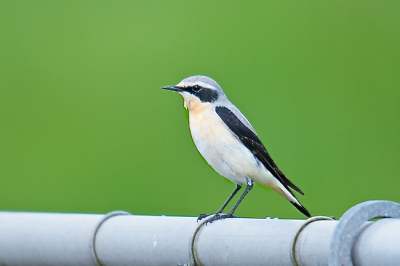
{"x": 219, "y": 216}
{"x": 248, "y": 188}
{"x": 238, "y": 187}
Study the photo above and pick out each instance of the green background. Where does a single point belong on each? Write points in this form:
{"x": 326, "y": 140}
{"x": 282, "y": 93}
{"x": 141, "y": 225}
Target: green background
{"x": 85, "y": 127}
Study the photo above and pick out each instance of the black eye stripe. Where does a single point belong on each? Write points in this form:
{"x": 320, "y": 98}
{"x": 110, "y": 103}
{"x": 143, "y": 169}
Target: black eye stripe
{"x": 196, "y": 88}
{"x": 204, "y": 94}
{"x": 193, "y": 89}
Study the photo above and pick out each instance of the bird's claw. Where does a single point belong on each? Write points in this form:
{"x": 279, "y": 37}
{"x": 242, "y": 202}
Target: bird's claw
{"x": 219, "y": 216}
{"x": 202, "y": 216}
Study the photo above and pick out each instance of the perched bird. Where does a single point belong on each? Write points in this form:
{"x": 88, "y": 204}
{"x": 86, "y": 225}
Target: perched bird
{"x": 228, "y": 142}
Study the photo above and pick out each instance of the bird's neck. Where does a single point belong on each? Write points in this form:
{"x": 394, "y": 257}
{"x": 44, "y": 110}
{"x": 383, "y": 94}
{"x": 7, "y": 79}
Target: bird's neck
{"x": 194, "y": 105}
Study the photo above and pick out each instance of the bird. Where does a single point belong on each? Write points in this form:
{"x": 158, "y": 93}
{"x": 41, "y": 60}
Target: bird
{"x": 229, "y": 144}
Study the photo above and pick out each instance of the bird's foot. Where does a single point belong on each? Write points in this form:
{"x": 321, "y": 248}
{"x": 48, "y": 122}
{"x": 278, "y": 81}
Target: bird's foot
{"x": 219, "y": 216}
{"x": 202, "y": 216}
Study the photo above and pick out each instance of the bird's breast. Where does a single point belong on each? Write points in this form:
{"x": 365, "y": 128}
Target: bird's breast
{"x": 220, "y": 147}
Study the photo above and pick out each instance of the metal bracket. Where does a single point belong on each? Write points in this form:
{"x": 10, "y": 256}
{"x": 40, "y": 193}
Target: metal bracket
{"x": 348, "y": 228}
{"x": 295, "y": 259}
{"x": 194, "y": 261}
{"x": 96, "y": 229}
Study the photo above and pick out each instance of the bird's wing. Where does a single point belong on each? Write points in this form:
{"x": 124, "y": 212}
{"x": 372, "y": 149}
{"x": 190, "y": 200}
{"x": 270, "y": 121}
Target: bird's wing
{"x": 250, "y": 139}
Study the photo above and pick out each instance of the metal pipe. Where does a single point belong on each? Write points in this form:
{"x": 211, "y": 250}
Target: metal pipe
{"x": 65, "y": 239}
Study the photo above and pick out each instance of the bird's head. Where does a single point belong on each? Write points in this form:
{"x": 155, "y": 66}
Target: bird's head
{"x": 197, "y": 90}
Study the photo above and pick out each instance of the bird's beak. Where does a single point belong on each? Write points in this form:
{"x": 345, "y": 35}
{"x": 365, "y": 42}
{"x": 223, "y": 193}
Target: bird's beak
{"x": 171, "y": 88}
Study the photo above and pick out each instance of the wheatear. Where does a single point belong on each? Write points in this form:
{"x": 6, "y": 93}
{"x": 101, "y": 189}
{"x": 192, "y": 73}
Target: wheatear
{"x": 228, "y": 142}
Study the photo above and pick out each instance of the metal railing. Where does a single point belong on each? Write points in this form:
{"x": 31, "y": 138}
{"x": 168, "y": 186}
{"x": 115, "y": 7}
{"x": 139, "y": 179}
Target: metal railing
{"x": 119, "y": 238}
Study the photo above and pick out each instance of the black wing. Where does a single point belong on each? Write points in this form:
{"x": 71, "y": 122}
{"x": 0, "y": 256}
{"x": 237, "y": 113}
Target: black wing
{"x": 253, "y": 143}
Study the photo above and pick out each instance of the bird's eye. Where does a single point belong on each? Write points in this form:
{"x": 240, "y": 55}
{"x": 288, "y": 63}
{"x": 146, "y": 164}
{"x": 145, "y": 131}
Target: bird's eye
{"x": 196, "y": 88}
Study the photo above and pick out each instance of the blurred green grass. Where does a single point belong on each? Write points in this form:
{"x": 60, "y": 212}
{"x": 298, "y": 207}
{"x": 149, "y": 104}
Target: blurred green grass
{"x": 85, "y": 127}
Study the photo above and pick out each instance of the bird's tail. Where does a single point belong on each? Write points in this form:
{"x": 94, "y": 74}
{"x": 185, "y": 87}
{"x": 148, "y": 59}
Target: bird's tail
{"x": 280, "y": 189}
{"x": 301, "y": 208}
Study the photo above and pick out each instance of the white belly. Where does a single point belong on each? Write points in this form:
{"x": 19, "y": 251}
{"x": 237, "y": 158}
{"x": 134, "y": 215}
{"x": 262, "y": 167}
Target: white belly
{"x": 224, "y": 151}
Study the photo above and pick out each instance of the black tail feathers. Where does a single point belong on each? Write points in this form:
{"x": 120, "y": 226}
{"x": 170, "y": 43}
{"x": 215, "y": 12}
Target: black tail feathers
{"x": 301, "y": 209}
